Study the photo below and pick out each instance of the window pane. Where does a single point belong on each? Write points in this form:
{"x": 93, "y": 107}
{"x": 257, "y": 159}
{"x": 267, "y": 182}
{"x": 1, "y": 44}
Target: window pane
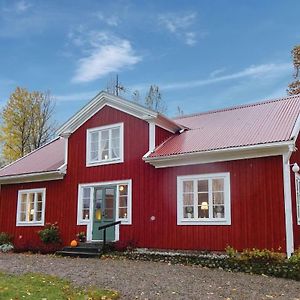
{"x": 39, "y": 206}
{"x": 219, "y": 211}
{"x": 31, "y": 207}
{"x": 188, "y": 199}
{"x": 86, "y": 192}
{"x": 188, "y": 186}
{"x": 104, "y": 135}
{"x": 203, "y": 211}
{"x": 85, "y": 214}
{"x": 39, "y": 197}
{"x": 202, "y": 197}
{"x": 123, "y": 213}
{"x": 31, "y": 197}
{"x": 115, "y": 152}
{"x": 85, "y": 203}
{"x": 188, "y": 212}
{"x": 38, "y": 216}
{"x": 202, "y": 185}
{"x": 22, "y": 216}
{"x": 115, "y": 133}
{"x": 218, "y": 198}
{"x": 123, "y": 189}
{"x": 23, "y": 202}
{"x": 104, "y": 155}
{"x": 123, "y": 201}
{"x": 218, "y": 184}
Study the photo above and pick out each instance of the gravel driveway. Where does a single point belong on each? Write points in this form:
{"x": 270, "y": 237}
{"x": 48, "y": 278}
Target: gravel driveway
{"x": 152, "y": 280}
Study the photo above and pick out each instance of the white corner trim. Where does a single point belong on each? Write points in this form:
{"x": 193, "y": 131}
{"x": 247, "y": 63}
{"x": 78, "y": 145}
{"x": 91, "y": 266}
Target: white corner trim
{"x": 288, "y": 204}
{"x": 297, "y": 191}
{"x": 30, "y": 223}
{"x": 151, "y": 136}
{"x": 209, "y": 221}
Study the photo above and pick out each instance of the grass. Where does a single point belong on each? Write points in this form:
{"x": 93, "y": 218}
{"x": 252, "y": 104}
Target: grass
{"x": 45, "y": 287}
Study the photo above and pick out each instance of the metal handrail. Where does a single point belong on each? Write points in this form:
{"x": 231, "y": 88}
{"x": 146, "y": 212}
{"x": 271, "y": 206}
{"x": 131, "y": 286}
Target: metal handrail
{"x": 104, "y": 227}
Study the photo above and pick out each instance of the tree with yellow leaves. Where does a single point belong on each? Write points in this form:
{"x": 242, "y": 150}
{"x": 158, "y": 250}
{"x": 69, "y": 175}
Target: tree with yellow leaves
{"x": 294, "y": 87}
{"x": 26, "y": 123}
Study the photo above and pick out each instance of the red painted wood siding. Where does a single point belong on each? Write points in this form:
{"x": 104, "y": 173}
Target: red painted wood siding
{"x": 295, "y": 158}
{"x": 257, "y": 206}
{"x": 161, "y": 135}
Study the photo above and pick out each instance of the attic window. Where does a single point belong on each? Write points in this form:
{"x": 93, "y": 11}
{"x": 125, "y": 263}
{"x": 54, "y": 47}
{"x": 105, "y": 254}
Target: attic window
{"x": 105, "y": 145}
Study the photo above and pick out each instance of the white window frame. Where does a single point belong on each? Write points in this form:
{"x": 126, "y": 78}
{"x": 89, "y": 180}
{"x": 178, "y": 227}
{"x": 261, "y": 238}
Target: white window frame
{"x": 204, "y": 221}
{"x": 31, "y": 223}
{"x": 127, "y": 221}
{"x": 90, "y": 163}
{"x": 297, "y": 191}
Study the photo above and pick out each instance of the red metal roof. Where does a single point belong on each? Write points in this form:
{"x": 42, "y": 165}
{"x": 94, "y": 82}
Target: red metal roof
{"x": 45, "y": 159}
{"x": 252, "y": 124}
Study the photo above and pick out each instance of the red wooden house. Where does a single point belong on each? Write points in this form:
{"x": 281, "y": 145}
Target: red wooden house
{"x": 202, "y": 181}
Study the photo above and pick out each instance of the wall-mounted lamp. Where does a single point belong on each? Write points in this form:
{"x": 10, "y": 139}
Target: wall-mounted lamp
{"x": 295, "y": 168}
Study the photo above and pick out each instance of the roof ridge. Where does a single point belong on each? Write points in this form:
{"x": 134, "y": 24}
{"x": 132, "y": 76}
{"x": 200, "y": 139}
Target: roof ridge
{"x": 28, "y": 154}
{"x": 262, "y": 102}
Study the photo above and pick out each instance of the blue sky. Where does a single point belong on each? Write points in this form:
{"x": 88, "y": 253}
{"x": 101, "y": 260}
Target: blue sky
{"x": 202, "y": 54}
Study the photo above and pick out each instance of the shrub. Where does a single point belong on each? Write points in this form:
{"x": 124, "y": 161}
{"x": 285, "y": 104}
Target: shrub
{"x": 6, "y": 248}
{"x": 262, "y": 255}
{"x": 50, "y": 234}
{"x": 231, "y": 252}
{"x": 81, "y": 236}
{"x": 5, "y": 238}
{"x": 295, "y": 258}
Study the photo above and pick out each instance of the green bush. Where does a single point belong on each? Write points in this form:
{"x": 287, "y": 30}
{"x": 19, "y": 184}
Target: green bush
{"x": 5, "y": 238}
{"x": 50, "y": 234}
{"x": 264, "y": 255}
{"x": 295, "y": 258}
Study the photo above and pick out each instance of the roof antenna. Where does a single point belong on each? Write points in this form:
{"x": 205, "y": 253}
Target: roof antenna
{"x": 118, "y": 86}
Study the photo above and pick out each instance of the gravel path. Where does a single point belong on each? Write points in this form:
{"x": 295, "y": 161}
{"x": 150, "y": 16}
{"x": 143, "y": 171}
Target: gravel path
{"x": 152, "y": 280}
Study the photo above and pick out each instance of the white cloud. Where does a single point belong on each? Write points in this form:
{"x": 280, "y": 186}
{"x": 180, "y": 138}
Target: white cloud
{"x": 111, "y": 20}
{"x": 22, "y": 6}
{"x": 256, "y": 71}
{"x": 104, "y": 53}
{"x": 180, "y": 25}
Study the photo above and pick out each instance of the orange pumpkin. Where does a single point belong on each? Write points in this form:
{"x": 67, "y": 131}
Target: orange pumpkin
{"x": 74, "y": 243}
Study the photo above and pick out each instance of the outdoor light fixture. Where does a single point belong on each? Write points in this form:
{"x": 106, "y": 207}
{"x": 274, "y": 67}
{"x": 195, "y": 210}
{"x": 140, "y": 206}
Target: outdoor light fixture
{"x": 295, "y": 168}
{"x": 121, "y": 188}
{"x": 204, "y": 206}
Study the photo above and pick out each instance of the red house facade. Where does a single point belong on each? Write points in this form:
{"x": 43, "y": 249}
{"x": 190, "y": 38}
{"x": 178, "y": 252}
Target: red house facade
{"x": 201, "y": 182}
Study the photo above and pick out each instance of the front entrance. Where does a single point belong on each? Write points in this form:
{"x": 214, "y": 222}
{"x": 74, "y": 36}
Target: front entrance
{"x": 104, "y": 212}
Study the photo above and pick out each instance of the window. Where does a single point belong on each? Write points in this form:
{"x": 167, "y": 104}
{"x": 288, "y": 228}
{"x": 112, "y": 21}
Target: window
{"x": 203, "y": 199}
{"x": 31, "y": 207}
{"x": 298, "y": 198}
{"x": 105, "y": 145}
{"x": 122, "y": 201}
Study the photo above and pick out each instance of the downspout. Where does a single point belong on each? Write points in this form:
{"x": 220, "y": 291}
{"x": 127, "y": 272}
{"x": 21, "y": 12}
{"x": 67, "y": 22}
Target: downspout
{"x": 289, "y": 234}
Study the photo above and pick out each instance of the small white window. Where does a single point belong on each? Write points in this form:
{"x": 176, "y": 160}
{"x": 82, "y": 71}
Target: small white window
{"x": 105, "y": 145}
{"x": 203, "y": 199}
{"x": 298, "y": 198}
{"x": 31, "y": 207}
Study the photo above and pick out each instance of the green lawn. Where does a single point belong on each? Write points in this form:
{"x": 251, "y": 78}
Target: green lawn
{"x": 44, "y": 287}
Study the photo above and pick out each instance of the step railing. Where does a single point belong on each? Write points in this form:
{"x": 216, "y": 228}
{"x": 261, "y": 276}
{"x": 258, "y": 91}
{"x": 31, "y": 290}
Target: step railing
{"x": 104, "y": 227}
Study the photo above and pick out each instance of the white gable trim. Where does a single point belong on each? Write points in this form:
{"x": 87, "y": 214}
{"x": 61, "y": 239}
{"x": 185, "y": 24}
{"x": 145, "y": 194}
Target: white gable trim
{"x": 102, "y": 99}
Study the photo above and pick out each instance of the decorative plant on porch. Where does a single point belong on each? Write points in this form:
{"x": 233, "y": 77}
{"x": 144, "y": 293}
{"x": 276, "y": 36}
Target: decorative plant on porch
{"x": 81, "y": 236}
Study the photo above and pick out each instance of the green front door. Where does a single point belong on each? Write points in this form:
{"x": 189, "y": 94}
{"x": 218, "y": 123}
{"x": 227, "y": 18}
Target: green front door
{"x": 104, "y": 212}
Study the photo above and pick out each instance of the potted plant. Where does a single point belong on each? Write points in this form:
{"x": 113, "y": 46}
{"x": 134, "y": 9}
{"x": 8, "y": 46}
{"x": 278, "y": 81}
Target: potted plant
{"x": 81, "y": 237}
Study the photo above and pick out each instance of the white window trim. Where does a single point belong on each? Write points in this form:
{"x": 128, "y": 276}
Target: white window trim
{"x": 25, "y": 223}
{"x": 297, "y": 178}
{"x": 127, "y": 221}
{"x": 227, "y": 206}
{"x": 110, "y": 161}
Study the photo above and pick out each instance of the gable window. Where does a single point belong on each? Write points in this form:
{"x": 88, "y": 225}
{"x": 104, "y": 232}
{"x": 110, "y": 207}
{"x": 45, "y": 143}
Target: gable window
{"x": 298, "y": 198}
{"x": 105, "y": 145}
{"x": 203, "y": 199}
{"x": 31, "y": 207}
